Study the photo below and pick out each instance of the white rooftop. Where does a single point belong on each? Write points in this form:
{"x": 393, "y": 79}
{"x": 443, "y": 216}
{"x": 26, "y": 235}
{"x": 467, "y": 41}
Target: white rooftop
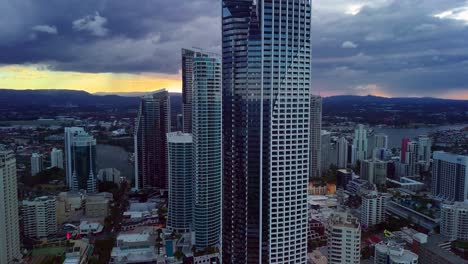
{"x": 133, "y": 237}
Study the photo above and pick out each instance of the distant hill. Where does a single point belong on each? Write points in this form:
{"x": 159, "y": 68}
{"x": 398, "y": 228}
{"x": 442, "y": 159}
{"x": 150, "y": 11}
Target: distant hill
{"x": 369, "y": 108}
{"x": 27, "y": 99}
{"x": 30, "y": 98}
{"x": 395, "y": 111}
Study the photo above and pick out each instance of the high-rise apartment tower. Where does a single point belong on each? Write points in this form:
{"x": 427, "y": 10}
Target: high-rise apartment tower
{"x": 266, "y": 49}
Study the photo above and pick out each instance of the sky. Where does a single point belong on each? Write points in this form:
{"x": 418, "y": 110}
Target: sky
{"x": 389, "y": 48}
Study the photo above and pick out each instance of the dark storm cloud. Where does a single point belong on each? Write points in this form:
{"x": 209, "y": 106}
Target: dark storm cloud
{"x": 106, "y": 36}
{"x": 399, "y": 46}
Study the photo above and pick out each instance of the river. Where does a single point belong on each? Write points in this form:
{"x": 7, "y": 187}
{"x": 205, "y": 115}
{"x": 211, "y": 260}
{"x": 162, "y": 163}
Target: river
{"x": 395, "y": 135}
{"x": 109, "y": 156}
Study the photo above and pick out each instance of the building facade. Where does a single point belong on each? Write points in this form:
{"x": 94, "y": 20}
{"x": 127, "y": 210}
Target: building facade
{"x": 315, "y": 136}
{"x": 56, "y": 158}
{"x": 39, "y": 217}
{"x": 266, "y": 47}
{"x": 325, "y": 150}
{"x": 180, "y": 202}
{"x": 454, "y": 221}
{"x": 393, "y": 253}
{"x": 360, "y": 141}
{"x": 37, "y": 163}
{"x": 150, "y": 136}
{"x": 424, "y": 151}
{"x": 342, "y": 153}
{"x": 373, "y": 208}
{"x": 187, "y": 86}
{"x": 207, "y": 150}
{"x": 9, "y": 228}
{"x": 450, "y": 176}
{"x": 343, "y": 239}
{"x": 80, "y": 151}
{"x": 374, "y": 171}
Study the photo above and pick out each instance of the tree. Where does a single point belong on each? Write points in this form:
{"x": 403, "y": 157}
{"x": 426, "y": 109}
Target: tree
{"x": 179, "y": 254}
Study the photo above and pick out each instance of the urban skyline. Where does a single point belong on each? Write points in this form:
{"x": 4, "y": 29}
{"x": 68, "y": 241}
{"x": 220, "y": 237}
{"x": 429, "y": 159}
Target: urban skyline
{"x": 251, "y": 164}
{"x": 365, "y": 57}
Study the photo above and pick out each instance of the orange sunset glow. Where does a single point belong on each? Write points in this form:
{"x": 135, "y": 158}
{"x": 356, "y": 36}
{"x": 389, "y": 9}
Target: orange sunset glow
{"x": 36, "y": 77}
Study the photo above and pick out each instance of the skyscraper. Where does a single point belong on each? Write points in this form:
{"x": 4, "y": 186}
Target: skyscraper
{"x": 404, "y": 147}
{"x": 360, "y": 141}
{"x": 37, "y": 163}
{"x": 408, "y": 165}
{"x": 150, "y": 136}
{"x": 342, "y": 152}
{"x": 207, "y": 150}
{"x": 180, "y": 202}
{"x": 315, "y": 130}
{"x": 9, "y": 229}
{"x": 374, "y": 171}
{"x": 56, "y": 158}
{"x": 325, "y": 150}
{"x": 424, "y": 151}
{"x": 450, "y": 176}
{"x": 187, "y": 86}
{"x": 80, "y": 151}
{"x": 380, "y": 141}
{"x": 266, "y": 93}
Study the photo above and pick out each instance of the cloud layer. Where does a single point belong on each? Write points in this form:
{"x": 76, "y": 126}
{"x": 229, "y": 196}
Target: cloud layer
{"x": 396, "y": 48}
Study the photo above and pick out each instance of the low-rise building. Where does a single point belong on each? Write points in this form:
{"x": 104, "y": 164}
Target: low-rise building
{"x": 343, "y": 177}
{"x": 434, "y": 249}
{"x": 316, "y": 257}
{"x": 97, "y": 205}
{"x": 407, "y": 183}
{"x": 88, "y": 228}
{"x": 70, "y": 207}
{"x": 110, "y": 175}
{"x": 135, "y": 248}
{"x": 393, "y": 253}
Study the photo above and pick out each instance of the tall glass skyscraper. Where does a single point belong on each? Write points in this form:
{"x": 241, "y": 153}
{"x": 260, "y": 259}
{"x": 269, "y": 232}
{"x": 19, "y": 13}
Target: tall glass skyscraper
{"x": 9, "y": 219}
{"x": 315, "y": 169}
{"x": 80, "y": 151}
{"x": 207, "y": 150}
{"x": 266, "y": 93}
{"x": 152, "y": 125}
{"x": 187, "y": 83}
{"x": 179, "y": 147}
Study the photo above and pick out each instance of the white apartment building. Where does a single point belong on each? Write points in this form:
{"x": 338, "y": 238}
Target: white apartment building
{"x": 450, "y": 176}
{"x": 454, "y": 221}
{"x": 37, "y": 163}
{"x": 56, "y": 158}
{"x": 374, "y": 171}
{"x": 343, "y": 239}
{"x": 373, "y": 208}
{"x": 39, "y": 217}
{"x": 360, "y": 141}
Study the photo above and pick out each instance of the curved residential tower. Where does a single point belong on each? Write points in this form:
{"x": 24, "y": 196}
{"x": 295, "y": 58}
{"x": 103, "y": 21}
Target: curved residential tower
{"x": 266, "y": 49}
